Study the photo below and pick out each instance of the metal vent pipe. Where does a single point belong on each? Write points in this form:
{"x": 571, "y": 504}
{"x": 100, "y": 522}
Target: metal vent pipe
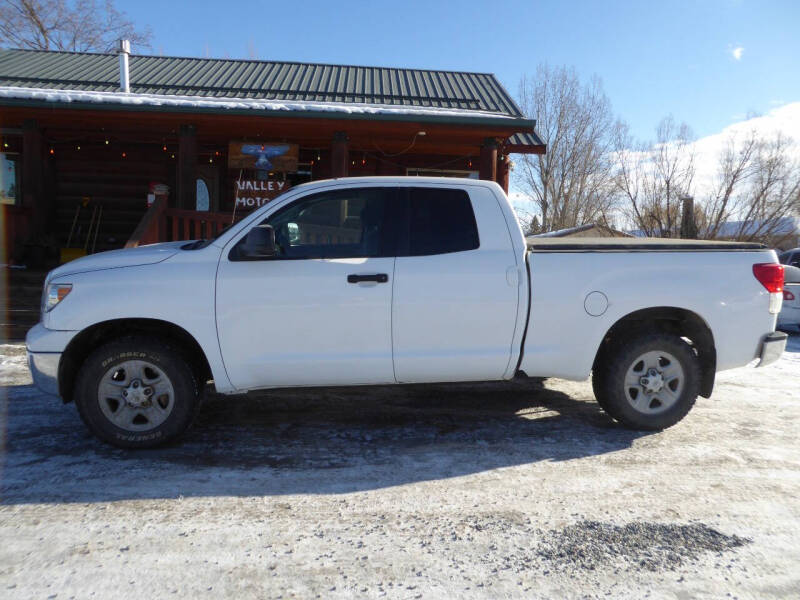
{"x": 124, "y": 49}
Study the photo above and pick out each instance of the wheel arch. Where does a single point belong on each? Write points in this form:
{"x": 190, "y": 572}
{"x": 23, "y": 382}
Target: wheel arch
{"x": 106, "y": 331}
{"x": 668, "y": 319}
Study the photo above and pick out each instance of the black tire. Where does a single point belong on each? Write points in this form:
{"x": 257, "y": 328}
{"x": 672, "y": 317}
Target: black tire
{"x": 598, "y": 384}
{"x": 169, "y": 360}
{"x": 608, "y": 380}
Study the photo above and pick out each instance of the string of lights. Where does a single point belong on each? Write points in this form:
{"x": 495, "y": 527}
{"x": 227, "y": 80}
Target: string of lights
{"x": 211, "y": 154}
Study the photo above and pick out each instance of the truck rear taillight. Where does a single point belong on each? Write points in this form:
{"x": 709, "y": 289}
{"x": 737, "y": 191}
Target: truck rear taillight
{"x": 770, "y": 275}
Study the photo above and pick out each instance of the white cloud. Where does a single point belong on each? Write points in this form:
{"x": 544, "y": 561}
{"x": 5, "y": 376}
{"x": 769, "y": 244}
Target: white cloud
{"x": 737, "y": 52}
{"x": 785, "y": 119}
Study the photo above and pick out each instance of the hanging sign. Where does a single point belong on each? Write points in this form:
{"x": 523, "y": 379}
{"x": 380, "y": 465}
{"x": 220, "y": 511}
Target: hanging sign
{"x": 263, "y": 156}
{"x": 252, "y": 193}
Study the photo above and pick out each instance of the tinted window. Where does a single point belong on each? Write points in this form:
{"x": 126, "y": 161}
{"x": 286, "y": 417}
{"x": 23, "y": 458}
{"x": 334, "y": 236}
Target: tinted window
{"x": 441, "y": 221}
{"x": 353, "y": 223}
{"x": 784, "y": 258}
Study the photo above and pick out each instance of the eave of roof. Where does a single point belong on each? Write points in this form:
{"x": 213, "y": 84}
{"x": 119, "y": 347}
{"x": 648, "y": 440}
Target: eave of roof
{"x": 45, "y": 98}
{"x": 527, "y": 142}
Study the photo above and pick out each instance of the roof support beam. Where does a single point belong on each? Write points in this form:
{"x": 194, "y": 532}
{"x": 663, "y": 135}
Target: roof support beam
{"x": 187, "y": 167}
{"x": 33, "y": 158}
{"x": 503, "y": 172}
{"x": 488, "y": 160}
{"x": 340, "y": 154}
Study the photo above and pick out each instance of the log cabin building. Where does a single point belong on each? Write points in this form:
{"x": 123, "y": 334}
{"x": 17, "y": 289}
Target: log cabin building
{"x": 99, "y": 151}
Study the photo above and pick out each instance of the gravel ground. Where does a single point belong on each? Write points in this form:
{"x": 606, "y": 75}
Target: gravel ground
{"x": 521, "y": 489}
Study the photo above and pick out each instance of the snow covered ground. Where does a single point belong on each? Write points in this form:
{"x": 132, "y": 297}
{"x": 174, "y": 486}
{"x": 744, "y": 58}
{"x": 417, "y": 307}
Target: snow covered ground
{"x": 481, "y": 491}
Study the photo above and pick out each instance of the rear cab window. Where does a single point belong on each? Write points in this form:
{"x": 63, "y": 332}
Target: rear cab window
{"x": 441, "y": 221}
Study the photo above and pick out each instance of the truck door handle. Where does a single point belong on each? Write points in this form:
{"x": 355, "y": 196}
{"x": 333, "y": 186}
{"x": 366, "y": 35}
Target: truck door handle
{"x": 377, "y": 278}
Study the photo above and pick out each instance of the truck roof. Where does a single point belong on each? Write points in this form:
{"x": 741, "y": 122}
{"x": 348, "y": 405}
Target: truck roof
{"x": 398, "y": 179}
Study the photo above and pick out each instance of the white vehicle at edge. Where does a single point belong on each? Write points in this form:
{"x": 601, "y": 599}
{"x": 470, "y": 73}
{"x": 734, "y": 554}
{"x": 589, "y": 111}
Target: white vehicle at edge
{"x": 397, "y": 280}
{"x": 789, "y": 317}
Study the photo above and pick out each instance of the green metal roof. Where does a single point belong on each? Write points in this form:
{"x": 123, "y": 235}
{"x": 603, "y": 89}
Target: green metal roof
{"x": 263, "y": 80}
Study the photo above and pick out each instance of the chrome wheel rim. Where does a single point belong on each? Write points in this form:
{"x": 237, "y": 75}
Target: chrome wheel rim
{"x": 136, "y": 395}
{"x": 654, "y": 382}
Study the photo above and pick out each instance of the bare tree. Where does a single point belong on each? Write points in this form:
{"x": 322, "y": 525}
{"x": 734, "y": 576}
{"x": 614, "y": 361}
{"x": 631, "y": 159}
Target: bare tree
{"x": 758, "y": 184}
{"x": 572, "y": 184}
{"x": 78, "y": 25}
{"x": 652, "y": 177}
{"x": 735, "y": 168}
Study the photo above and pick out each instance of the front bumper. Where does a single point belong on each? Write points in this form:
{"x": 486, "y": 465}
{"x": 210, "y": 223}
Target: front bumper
{"x": 45, "y": 347}
{"x": 44, "y": 368}
{"x": 772, "y": 346}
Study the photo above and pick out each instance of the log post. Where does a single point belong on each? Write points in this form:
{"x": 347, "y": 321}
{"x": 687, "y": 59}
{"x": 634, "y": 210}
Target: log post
{"x": 33, "y": 176}
{"x": 340, "y": 155}
{"x": 187, "y": 167}
{"x": 688, "y": 224}
{"x": 488, "y": 166}
{"x": 503, "y": 172}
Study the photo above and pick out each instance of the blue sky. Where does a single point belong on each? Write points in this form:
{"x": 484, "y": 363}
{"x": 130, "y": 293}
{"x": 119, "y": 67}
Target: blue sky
{"x": 708, "y": 63}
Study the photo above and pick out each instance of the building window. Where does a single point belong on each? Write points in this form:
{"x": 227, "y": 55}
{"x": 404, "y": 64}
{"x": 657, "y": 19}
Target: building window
{"x": 9, "y": 178}
{"x": 203, "y": 197}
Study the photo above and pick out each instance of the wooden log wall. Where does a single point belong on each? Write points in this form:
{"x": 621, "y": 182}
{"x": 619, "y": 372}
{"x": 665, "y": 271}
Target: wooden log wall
{"x": 120, "y": 184}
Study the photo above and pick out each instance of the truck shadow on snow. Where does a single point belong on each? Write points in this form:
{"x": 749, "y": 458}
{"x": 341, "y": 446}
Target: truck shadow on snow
{"x": 324, "y": 441}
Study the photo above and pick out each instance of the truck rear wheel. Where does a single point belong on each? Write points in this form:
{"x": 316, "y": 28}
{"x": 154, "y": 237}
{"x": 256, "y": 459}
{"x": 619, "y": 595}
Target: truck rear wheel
{"x": 137, "y": 392}
{"x": 648, "y": 382}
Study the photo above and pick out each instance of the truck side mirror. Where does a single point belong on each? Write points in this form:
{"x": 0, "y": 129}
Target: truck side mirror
{"x": 259, "y": 243}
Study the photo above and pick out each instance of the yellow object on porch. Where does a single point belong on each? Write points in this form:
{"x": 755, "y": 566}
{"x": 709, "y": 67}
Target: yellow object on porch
{"x": 68, "y": 254}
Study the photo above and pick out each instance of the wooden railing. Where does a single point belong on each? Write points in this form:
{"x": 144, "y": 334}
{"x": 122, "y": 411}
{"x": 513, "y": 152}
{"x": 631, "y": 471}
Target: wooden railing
{"x": 163, "y": 224}
{"x": 194, "y": 225}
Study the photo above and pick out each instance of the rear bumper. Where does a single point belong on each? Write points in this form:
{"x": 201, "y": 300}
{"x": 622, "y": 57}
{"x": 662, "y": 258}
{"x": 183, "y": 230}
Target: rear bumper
{"x": 772, "y": 346}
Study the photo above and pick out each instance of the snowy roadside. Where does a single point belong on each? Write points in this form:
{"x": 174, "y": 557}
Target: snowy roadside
{"x": 489, "y": 490}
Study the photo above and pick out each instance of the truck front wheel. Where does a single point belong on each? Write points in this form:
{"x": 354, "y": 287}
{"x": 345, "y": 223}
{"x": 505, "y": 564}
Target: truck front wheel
{"x": 136, "y": 392}
{"x": 648, "y": 382}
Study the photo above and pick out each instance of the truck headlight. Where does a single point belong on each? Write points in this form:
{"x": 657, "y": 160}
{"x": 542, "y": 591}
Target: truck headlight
{"x": 55, "y": 293}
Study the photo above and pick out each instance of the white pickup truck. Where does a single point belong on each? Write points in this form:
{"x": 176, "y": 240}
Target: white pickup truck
{"x": 384, "y": 280}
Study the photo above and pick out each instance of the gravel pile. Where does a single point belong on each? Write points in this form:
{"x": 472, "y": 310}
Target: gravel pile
{"x": 640, "y": 545}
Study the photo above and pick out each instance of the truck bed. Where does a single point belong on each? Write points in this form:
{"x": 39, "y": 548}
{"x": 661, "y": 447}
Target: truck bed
{"x": 580, "y": 288}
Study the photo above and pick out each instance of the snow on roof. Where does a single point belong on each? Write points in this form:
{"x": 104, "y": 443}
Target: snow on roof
{"x": 782, "y": 225}
{"x": 130, "y": 99}
{"x": 570, "y": 230}
{"x": 563, "y": 232}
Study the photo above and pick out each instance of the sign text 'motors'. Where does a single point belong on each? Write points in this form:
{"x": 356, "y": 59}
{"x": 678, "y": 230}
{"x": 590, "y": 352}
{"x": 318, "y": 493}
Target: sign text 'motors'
{"x": 253, "y": 193}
